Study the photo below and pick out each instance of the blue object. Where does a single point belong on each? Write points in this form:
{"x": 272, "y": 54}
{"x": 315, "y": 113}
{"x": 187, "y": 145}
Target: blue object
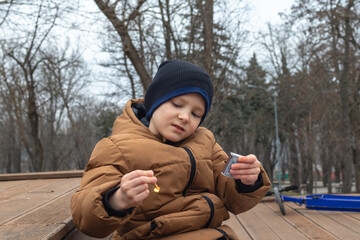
{"x": 327, "y": 202}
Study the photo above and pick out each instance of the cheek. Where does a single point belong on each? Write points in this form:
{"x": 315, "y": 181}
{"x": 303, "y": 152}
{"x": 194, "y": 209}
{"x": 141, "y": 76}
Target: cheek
{"x": 194, "y": 124}
{"x": 163, "y": 113}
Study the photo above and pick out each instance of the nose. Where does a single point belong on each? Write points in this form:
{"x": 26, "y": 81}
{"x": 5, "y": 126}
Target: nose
{"x": 184, "y": 116}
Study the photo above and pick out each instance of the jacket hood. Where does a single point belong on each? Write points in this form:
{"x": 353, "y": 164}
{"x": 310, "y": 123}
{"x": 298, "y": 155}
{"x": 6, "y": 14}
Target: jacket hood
{"x": 140, "y": 112}
{"x": 133, "y": 113}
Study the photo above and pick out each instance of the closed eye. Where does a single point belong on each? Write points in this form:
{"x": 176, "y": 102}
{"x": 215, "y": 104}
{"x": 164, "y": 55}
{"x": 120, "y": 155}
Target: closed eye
{"x": 176, "y": 105}
{"x": 195, "y": 115}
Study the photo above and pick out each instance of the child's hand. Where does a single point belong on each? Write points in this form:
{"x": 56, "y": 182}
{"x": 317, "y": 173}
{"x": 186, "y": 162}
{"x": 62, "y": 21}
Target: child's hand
{"x": 247, "y": 169}
{"x": 133, "y": 189}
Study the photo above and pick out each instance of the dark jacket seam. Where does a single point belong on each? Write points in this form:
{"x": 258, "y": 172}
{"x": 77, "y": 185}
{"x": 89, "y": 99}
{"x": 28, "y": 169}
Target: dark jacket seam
{"x": 211, "y": 205}
{"x": 192, "y": 171}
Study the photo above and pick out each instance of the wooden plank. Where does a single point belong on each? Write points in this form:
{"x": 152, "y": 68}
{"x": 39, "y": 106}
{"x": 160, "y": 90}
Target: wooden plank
{"x": 355, "y": 215}
{"x": 26, "y": 231}
{"x": 25, "y": 186}
{"x": 38, "y": 231}
{"x": 234, "y": 223}
{"x": 28, "y": 201}
{"x": 4, "y": 185}
{"x": 51, "y": 220}
{"x": 275, "y": 220}
{"x": 62, "y": 230}
{"x": 330, "y": 225}
{"x": 41, "y": 175}
{"x": 344, "y": 219}
{"x": 300, "y": 223}
{"x": 52, "y": 212}
{"x": 56, "y": 213}
{"x": 255, "y": 225}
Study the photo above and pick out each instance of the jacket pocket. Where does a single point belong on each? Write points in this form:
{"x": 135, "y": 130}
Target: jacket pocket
{"x": 208, "y": 211}
{"x": 196, "y": 213}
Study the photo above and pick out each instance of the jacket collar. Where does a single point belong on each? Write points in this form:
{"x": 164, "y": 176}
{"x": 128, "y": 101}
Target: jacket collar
{"x": 140, "y": 112}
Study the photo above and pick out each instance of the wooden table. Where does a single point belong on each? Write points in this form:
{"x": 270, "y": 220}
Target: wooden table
{"x": 37, "y": 206}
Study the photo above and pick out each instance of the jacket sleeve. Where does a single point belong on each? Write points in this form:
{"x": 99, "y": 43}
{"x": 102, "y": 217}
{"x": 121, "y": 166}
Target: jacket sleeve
{"x": 103, "y": 172}
{"x": 227, "y": 189}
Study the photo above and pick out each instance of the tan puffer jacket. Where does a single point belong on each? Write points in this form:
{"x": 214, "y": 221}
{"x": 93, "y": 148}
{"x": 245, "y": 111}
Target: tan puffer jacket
{"x": 194, "y": 199}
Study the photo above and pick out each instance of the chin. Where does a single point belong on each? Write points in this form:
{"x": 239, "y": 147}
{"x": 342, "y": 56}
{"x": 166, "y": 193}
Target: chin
{"x": 174, "y": 139}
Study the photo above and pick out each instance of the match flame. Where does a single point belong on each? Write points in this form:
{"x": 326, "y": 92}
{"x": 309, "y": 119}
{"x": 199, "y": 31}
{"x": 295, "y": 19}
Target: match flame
{"x": 157, "y": 188}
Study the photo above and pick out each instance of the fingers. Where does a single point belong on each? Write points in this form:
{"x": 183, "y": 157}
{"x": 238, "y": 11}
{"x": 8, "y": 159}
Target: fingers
{"x": 135, "y": 196}
{"x": 246, "y": 162}
{"x": 251, "y": 158}
{"x": 247, "y": 169}
{"x": 250, "y": 171}
{"x": 137, "y": 181}
{"x": 138, "y": 173}
{"x": 134, "y": 188}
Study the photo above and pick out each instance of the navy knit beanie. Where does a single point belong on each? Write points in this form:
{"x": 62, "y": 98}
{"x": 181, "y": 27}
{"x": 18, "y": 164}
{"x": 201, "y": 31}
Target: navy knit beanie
{"x": 174, "y": 78}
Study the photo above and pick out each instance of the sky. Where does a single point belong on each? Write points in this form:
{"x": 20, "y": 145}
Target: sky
{"x": 263, "y": 11}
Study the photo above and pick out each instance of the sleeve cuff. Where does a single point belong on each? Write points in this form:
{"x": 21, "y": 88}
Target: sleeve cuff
{"x": 243, "y": 188}
{"x": 109, "y": 209}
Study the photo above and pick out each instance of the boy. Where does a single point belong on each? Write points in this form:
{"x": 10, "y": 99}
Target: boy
{"x": 157, "y": 144}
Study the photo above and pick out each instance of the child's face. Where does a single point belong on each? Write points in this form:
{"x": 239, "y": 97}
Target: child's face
{"x": 178, "y": 118}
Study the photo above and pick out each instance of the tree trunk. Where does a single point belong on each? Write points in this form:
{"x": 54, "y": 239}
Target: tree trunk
{"x": 128, "y": 47}
{"x": 37, "y": 155}
{"x": 208, "y": 16}
{"x": 357, "y": 169}
{"x": 344, "y": 96}
{"x": 15, "y": 150}
{"x": 294, "y": 165}
{"x": 267, "y": 160}
{"x": 355, "y": 116}
{"x": 167, "y": 29}
{"x": 327, "y": 166}
{"x": 310, "y": 172}
{"x": 78, "y": 139}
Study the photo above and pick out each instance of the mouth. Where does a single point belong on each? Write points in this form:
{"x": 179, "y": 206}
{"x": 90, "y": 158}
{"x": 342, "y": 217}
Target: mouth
{"x": 177, "y": 127}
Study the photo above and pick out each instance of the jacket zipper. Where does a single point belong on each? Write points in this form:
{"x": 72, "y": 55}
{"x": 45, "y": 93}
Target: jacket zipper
{"x": 191, "y": 179}
{"x": 192, "y": 172}
{"x": 211, "y": 205}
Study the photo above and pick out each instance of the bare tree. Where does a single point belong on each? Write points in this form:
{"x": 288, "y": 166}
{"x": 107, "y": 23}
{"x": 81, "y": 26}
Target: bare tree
{"x": 4, "y": 13}
{"x": 323, "y": 56}
{"x": 42, "y": 84}
{"x": 10, "y": 149}
{"x": 28, "y": 63}
{"x": 68, "y": 73}
{"x": 121, "y": 26}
